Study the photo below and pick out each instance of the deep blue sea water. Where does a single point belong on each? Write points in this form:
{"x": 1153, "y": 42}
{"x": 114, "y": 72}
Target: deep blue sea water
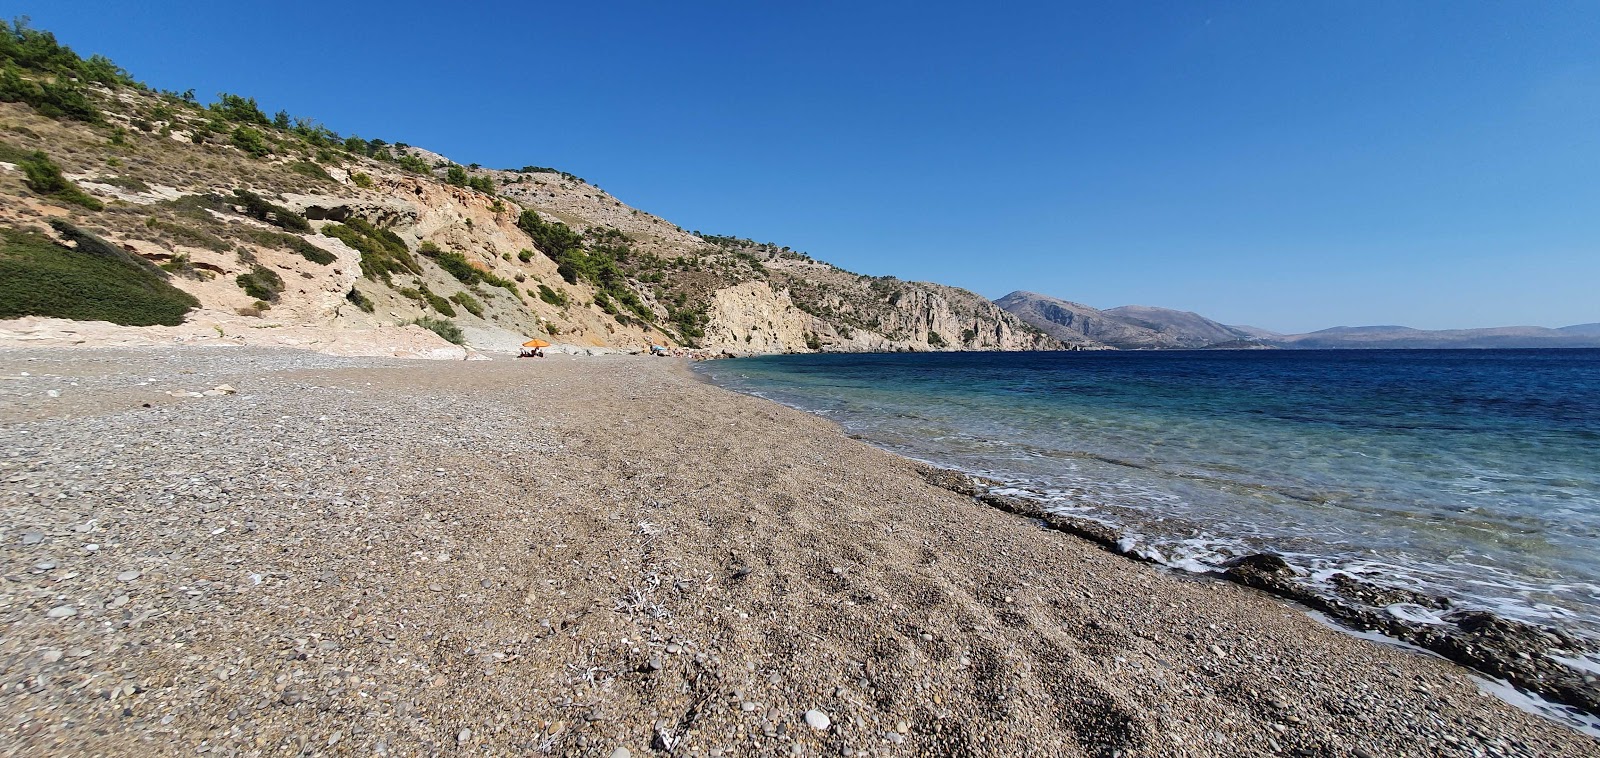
{"x": 1474, "y": 474}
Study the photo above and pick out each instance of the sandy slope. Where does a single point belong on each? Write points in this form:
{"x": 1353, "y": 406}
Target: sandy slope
{"x": 576, "y": 555}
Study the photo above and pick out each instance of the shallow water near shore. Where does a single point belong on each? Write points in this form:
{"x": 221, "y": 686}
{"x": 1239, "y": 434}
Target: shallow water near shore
{"x": 1470, "y": 474}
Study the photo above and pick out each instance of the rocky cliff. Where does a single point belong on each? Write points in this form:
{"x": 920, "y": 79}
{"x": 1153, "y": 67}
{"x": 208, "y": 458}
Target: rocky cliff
{"x": 275, "y": 222}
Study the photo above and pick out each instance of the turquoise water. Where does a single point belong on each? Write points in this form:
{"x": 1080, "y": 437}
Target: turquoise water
{"x": 1473, "y": 474}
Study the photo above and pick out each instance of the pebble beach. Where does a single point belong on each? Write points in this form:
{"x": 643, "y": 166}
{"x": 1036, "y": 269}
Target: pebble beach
{"x": 247, "y": 551}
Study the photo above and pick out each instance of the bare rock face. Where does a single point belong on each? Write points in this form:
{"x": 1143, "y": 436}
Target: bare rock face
{"x": 750, "y": 318}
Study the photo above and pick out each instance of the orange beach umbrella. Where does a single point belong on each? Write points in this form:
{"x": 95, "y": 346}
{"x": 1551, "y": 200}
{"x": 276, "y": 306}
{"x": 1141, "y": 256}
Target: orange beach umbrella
{"x": 536, "y": 343}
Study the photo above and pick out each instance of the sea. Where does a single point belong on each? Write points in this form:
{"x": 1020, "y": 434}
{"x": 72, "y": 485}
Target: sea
{"x": 1473, "y": 474}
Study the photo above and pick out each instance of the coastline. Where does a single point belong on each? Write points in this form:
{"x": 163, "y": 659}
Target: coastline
{"x": 587, "y": 554}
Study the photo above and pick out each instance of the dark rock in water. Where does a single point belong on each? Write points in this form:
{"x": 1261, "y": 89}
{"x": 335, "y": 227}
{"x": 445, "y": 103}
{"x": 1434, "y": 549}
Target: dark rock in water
{"x": 1264, "y": 571}
{"x": 1371, "y": 594}
{"x": 955, "y": 481}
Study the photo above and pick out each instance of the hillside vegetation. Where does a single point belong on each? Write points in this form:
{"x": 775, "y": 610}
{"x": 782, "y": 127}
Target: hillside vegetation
{"x": 278, "y": 217}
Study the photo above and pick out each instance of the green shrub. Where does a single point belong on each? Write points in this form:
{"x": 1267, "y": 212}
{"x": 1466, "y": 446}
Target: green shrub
{"x": 260, "y": 209}
{"x": 240, "y": 110}
{"x": 44, "y": 177}
{"x": 187, "y": 235}
{"x": 360, "y": 300}
{"x": 456, "y": 175}
{"x": 58, "y": 98}
{"x": 552, "y": 297}
{"x": 468, "y": 302}
{"x": 95, "y": 282}
{"x": 382, "y": 252}
{"x": 361, "y": 180}
{"x": 310, "y": 169}
{"x": 523, "y": 255}
{"x": 936, "y": 340}
{"x": 251, "y": 141}
{"x": 438, "y": 303}
{"x": 453, "y": 263}
{"x": 261, "y": 283}
{"x": 446, "y": 329}
{"x": 412, "y": 163}
{"x": 290, "y": 242}
{"x": 10, "y": 153}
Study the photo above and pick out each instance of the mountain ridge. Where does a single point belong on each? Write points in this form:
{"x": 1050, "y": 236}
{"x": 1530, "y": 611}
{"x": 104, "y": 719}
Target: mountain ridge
{"x": 1147, "y": 327}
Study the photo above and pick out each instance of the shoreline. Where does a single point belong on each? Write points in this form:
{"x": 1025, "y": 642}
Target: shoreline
{"x": 1527, "y": 656}
{"x": 590, "y": 554}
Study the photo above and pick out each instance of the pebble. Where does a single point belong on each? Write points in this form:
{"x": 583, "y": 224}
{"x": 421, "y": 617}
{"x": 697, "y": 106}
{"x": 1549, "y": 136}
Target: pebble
{"x": 1217, "y": 651}
{"x": 61, "y": 612}
{"x": 291, "y": 697}
{"x": 32, "y": 538}
{"x": 747, "y": 707}
{"x": 464, "y": 736}
{"x": 51, "y": 656}
{"x": 129, "y": 575}
{"x": 901, "y": 726}
{"x": 817, "y": 720}
{"x": 621, "y": 752}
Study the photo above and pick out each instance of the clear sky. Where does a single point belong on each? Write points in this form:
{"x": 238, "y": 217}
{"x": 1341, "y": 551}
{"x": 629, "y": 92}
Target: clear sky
{"x": 1289, "y": 165}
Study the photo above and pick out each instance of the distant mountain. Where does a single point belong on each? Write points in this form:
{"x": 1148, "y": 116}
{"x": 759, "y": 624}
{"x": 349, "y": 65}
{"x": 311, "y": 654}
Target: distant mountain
{"x": 1345, "y": 337}
{"x": 1130, "y": 327}
{"x": 1183, "y": 327}
{"x": 1141, "y": 327}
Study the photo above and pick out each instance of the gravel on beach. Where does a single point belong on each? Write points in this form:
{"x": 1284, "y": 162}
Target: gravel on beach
{"x": 237, "y": 551}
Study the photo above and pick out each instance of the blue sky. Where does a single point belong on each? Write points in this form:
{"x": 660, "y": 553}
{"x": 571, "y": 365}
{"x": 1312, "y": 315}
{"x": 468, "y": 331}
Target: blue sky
{"x": 1288, "y": 165}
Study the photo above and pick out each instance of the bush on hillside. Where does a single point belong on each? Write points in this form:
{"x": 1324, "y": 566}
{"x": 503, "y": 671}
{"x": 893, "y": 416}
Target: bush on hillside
{"x": 261, "y": 283}
{"x": 360, "y": 300}
{"x": 44, "y": 177}
{"x": 95, "y": 282}
{"x": 446, "y": 329}
{"x": 470, "y": 303}
{"x": 290, "y": 242}
{"x": 383, "y": 253}
{"x": 258, "y": 208}
{"x": 552, "y": 297}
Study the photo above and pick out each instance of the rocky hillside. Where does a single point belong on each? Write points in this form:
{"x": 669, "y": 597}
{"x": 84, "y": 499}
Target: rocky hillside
{"x": 277, "y": 222}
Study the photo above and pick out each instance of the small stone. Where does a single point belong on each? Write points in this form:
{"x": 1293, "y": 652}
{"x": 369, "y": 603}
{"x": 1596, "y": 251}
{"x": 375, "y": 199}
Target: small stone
{"x": 464, "y": 736}
{"x": 32, "y": 538}
{"x": 45, "y": 565}
{"x": 61, "y": 612}
{"x": 621, "y": 752}
{"x": 129, "y": 575}
{"x": 817, "y": 720}
{"x": 747, "y": 707}
{"x": 436, "y": 588}
{"x": 486, "y": 584}
{"x": 901, "y": 726}
{"x": 1217, "y": 651}
{"x": 895, "y": 737}
{"x": 51, "y": 656}
{"x": 291, "y": 697}
{"x": 674, "y": 648}
{"x": 655, "y": 664}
